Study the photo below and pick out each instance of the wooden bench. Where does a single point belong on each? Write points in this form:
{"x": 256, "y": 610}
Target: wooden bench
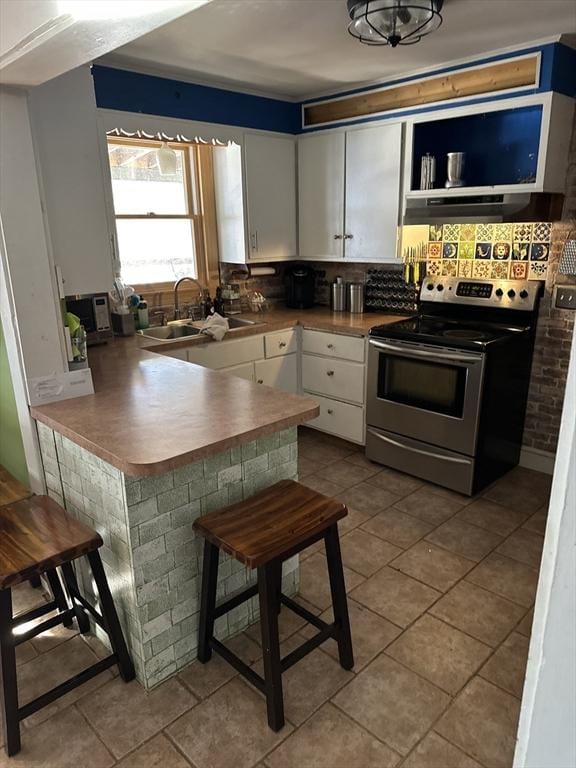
{"x": 262, "y": 532}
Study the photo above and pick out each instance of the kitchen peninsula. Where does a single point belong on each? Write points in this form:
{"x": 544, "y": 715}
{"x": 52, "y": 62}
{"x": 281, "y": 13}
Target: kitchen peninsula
{"x": 159, "y": 443}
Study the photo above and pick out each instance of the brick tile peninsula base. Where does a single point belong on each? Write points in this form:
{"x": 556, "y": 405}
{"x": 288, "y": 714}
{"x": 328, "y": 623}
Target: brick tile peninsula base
{"x": 151, "y": 556}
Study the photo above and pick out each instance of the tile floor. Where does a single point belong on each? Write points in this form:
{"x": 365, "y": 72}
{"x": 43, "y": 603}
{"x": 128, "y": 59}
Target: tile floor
{"x": 441, "y": 589}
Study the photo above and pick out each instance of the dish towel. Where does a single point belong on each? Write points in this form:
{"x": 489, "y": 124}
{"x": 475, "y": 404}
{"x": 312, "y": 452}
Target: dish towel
{"x": 215, "y": 326}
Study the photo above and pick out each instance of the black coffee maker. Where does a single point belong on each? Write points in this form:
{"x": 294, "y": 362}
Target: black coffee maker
{"x": 299, "y": 282}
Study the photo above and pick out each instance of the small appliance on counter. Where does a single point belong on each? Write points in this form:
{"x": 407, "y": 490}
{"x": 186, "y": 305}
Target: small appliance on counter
{"x": 338, "y": 295}
{"x": 447, "y": 388}
{"x": 300, "y": 282}
{"x": 93, "y": 312}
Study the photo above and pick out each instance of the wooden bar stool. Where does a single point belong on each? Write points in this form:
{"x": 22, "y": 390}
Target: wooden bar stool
{"x": 36, "y": 537}
{"x": 262, "y": 532}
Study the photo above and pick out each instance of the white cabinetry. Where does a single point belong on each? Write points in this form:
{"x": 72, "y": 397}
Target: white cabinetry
{"x": 334, "y": 374}
{"x": 321, "y": 195}
{"x": 350, "y": 193}
{"x": 255, "y": 190}
{"x": 270, "y": 359}
{"x": 70, "y": 156}
{"x": 373, "y": 176}
{"x": 278, "y": 372}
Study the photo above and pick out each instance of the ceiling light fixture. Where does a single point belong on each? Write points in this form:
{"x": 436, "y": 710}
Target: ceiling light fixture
{"x": 393, "y": 22}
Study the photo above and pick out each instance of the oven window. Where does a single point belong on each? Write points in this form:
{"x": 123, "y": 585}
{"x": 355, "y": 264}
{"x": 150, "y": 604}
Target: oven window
{"x": 436, "y": 387}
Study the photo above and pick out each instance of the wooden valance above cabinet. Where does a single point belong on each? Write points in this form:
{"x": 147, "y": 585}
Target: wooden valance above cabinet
{"x": 521, "y": 72}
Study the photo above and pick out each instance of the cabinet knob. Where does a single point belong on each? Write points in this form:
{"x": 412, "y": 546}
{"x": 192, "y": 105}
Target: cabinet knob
{"x": 329, "y": 373}
{"x": 282, "y": 344}
{"x": 348, "y": 237}
{"x": 338, "y": 237}
{"x": 330, "y": 346}
{"x": 330, "y": 411}
{"x": 260, "y": 381}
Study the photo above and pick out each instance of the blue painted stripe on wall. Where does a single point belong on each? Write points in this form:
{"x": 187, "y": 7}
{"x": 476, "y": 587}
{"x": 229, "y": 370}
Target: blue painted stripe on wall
{"x": 563, "y": 78}
{"x": 149, "y": 94}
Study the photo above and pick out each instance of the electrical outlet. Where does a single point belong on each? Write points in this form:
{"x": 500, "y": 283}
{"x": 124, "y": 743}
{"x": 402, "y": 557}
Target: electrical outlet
{"x": 565, "y": 297}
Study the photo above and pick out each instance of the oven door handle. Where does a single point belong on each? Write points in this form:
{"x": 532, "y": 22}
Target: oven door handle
{"x": 430, "y": 354}
{"x": 396, "y": 444}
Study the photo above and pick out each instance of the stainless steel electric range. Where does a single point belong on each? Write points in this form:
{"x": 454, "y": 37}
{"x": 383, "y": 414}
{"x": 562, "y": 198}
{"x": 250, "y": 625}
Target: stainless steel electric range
{"x": 447, "y": 388}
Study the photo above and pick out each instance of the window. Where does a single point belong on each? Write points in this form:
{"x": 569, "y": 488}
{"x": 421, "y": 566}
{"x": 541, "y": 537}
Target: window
{"x": 158, "y": 209}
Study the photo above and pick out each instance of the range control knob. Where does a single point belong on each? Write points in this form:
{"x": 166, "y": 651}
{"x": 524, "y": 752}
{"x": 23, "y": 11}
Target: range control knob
{"x": 499, "y": 292}
{"x": 430, "y": 287}
{"x": 440, "y": 287}
{"x": 523, "y": 294}
{"x": 511, "y": 293}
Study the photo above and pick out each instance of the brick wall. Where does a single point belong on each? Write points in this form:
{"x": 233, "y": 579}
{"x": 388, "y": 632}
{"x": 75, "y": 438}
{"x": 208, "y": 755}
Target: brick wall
{"x": 554, "y": 334}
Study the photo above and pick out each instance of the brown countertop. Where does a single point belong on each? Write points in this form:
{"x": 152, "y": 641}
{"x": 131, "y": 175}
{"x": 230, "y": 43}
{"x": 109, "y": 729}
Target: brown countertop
{"x": 151, "y": 413}
{"x": 317, "y": 318}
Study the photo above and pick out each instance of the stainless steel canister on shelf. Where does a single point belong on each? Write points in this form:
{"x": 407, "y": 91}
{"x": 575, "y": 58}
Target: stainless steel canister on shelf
{"x": 338, "y": 295}
{"x": 356, "y": 297}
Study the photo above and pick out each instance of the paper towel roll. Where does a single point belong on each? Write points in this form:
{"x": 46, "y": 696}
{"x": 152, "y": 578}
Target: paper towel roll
{"x": 261, "y": 271}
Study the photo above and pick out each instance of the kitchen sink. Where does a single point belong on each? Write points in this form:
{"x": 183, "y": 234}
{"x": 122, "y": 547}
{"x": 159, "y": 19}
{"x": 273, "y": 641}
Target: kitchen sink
{"x": 170, "y": 332}
{"x": 238, "y": 322}
{"x": 180, "y": 329}
{"x": 233, "y": 322}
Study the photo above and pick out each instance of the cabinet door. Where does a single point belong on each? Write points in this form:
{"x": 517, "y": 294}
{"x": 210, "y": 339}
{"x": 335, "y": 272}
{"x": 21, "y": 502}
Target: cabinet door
{"x": 64, "y": 120}
{"x": 321, "y": 195}
{"x": 373, "y": 167}
{"x": 244, "y": 371}
{"x": 270, "y": 172}
{"x": 278, "y": 372}
{"x": 229, "y": 196}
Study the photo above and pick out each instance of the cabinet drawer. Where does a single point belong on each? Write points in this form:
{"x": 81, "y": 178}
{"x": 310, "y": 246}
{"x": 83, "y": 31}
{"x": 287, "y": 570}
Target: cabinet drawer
{"x": 224, "y": 354}
{"x": 281, "y": 343}
{"x": 244, "y": 371}
{"x": 335, "y": 378}
{"x": 333, "y": 345}
{"x": 279, "y": 372}
{"x": 340, "y": 419}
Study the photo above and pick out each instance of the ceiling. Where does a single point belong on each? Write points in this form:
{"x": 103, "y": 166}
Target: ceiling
{"x": 301, "y": 48}
{"x": 41, "y": 39}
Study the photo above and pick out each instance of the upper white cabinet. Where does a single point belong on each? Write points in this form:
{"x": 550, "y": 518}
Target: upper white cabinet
{"x": 256, "y": 199}
{"x": 350, "y": 193}
{"x": 373, "y": 174}
{"x": 270, "y": 169}
{"x": 70, "y": 156}
{"x": 321, "y": 195}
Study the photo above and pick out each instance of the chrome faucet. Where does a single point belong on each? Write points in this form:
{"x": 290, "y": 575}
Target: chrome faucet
{"x": 177, "y": 285}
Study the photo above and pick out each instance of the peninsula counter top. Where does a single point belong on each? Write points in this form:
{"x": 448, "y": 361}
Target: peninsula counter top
{"x": 151, "y": 413}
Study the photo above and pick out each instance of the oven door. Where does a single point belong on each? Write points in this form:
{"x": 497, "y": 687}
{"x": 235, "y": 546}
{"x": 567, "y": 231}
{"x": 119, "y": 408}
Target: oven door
{"x": 428, "y": 393}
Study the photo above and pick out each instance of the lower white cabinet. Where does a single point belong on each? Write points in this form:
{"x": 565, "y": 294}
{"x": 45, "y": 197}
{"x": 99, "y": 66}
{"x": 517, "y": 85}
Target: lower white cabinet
{"x": 334, "y": 378}
{"x": 270, "y": 359}
{"x": 333, "y": 371}
{"x": 334, "y": 374}
{"x": 278, "y": 372}
{"x": 342, "y": 419}
{"x": 244, "y": 371}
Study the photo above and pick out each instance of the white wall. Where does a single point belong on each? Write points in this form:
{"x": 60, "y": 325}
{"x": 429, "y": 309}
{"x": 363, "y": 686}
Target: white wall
{"x": 547, "y": 730}
{"x": 29, "y": 271}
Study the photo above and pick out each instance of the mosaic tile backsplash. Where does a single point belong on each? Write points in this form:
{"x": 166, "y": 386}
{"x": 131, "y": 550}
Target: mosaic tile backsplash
{"x": 485, "y": 251}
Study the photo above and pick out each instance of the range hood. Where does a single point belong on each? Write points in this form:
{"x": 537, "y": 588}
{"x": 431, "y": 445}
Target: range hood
{"x": 437, "y": 208}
